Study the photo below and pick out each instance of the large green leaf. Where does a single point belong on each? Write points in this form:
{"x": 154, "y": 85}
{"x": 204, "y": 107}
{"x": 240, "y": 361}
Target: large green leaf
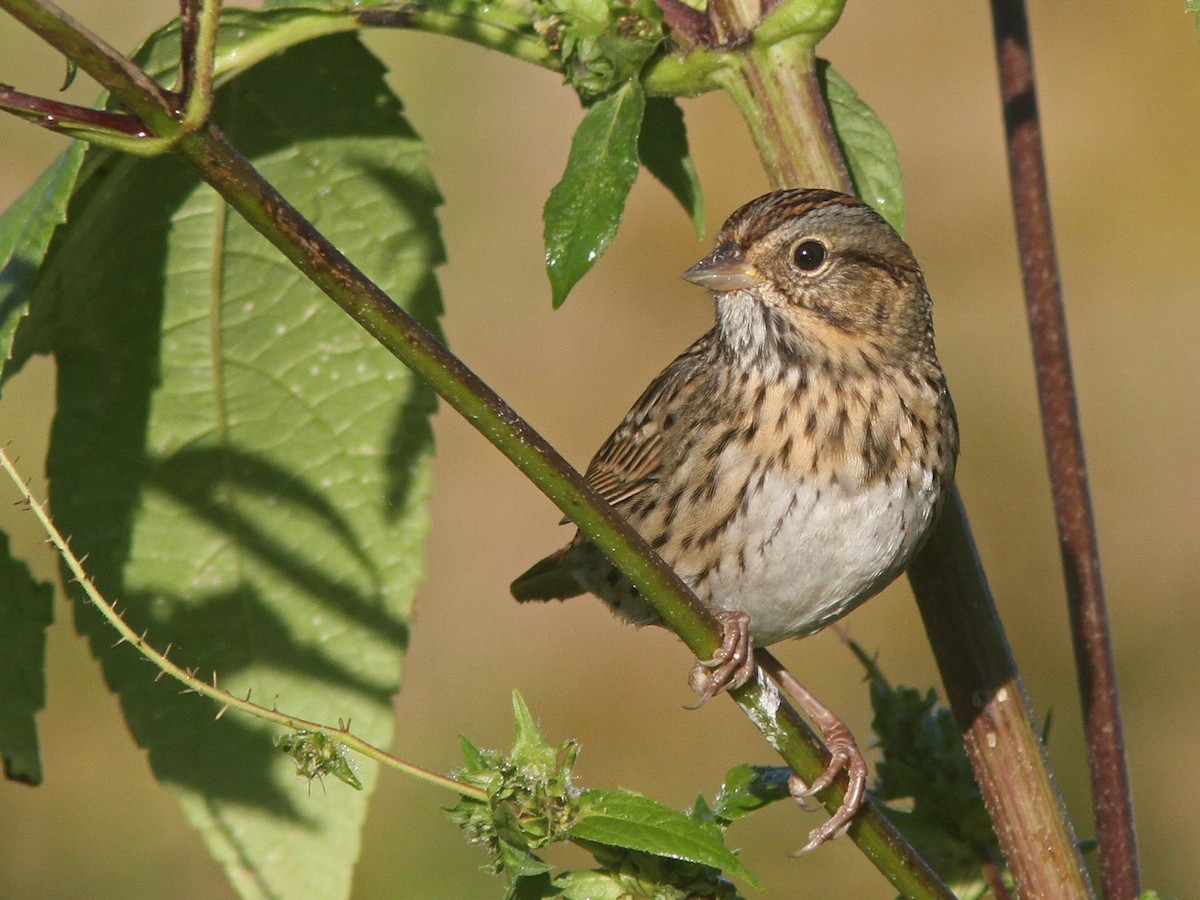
{"x": 867, "y": 146}
{"x": 25, "y": 613}
{"x": 625, "y": 819}
{"x": 243, "y": 466}
{"x": 585, "y": 208}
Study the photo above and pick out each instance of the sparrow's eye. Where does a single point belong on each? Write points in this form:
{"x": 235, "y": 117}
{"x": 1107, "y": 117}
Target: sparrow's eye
{"x": 809, "y": 255}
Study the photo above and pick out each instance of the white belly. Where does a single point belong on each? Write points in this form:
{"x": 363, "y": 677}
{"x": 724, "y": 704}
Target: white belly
{"x": 817, "y": 554}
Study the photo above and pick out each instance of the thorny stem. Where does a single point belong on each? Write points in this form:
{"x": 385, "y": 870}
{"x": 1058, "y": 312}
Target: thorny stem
{"x": 211, "y": 689}
{"x": 1064, "y": 451}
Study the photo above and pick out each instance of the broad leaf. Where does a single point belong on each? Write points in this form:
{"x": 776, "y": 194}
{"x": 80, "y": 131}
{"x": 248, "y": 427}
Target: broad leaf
{"x": 585, "y": 207}
{"x": 25, "y": 613}
{"x": 663, "y": 149}
{"x": 625, "y": 819}
{"x": 867, "y": 146}
{"x": 243, "y": 466}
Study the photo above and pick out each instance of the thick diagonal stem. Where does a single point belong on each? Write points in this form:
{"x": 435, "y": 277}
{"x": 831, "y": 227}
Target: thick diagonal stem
{"x": 1064, "y": 450}
{"x": 268, "y": 212}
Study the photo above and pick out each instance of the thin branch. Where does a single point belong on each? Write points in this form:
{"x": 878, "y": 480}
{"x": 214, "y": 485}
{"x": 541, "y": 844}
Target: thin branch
{"x": 1063, "y": 437}
{"x": 136, "y": 90}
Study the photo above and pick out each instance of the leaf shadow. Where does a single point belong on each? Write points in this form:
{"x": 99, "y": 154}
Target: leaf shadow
{"x": 198, "y": 478}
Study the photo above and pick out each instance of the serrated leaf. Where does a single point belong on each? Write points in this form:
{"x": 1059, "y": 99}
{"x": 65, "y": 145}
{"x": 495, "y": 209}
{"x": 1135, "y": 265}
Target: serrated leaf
{"x": 867, "y": 146}
{"x": 25, "y": 613}
{"x": 748, "y": 789}
{"x": 585, "y": 208}
{"x": 663, "y": 149}
{"x": 529, "y": 746}
{"x": 625, "y": 819}
{"x": 25, "y": 231}
{"x": 226, "y": 450}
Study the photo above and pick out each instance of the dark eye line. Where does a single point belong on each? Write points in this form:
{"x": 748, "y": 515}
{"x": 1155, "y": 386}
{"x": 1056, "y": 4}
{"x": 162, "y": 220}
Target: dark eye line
{"x": 897, "y": 272}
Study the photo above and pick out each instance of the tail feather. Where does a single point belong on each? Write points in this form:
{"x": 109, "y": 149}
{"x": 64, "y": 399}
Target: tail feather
{"x": 549, "y": 579}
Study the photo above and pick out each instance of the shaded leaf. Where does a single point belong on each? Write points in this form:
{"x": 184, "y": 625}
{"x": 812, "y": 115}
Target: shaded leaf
{"x": 25, "y": 613}
{"x": 663, "y": 149}
{"x": 223, "y": 449}
{"x": 26, "y": 228}
{"x": 625, "y": 819}
{"x": 867, "y": 146}
{"x": 585, "y": 208}
{"x": 748, "y": 789}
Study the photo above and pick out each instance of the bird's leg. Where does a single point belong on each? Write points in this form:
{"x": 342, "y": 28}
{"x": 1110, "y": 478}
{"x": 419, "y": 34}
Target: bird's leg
{"x": 844, "y": 755}
{"x": 731, "y": 666}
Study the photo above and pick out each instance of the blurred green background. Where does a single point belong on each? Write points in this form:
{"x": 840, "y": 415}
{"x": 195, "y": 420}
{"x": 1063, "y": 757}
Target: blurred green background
{"x": 1120, "y": 98}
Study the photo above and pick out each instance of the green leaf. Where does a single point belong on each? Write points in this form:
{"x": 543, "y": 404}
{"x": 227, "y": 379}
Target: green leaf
{"x": 244, "y": 467}
{"x": 247, "y": 37}
{"x": 591, "y": 885}
{"x": 663, "y": 149}
{"x": 585, "y": 207}
{"x": 748, "y": 789}
{"x": 530, "y": 748}
{"x": 867, "y": 146}
{"x": 625, "y": 819}
{"x": 25, "y": 231}
{"x": 25, "y": 613}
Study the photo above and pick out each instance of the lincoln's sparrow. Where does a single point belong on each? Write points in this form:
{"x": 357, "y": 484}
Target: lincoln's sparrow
{"x": 790, "y": 463}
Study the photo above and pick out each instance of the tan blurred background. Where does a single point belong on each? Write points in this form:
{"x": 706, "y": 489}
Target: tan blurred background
{"x": 1120, "y": 97}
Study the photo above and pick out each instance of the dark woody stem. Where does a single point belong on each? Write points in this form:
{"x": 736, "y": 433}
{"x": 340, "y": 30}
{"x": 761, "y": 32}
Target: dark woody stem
{"x": 779, "y": 97}
{"x": 1064, "y": 451}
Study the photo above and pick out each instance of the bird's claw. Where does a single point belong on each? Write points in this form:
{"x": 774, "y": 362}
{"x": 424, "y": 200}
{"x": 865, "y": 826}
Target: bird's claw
{"x": 731, "y": 666}
{"x": 844, "y": 755}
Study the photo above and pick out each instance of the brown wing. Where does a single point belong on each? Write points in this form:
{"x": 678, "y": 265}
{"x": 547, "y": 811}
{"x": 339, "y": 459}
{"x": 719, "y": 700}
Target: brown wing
{"x": 628, "y": 462}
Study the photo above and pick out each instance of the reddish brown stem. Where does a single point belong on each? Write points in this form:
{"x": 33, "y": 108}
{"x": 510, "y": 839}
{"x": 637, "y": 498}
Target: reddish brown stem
{"x": 1064, "y": 449}
{"x": 990, "y": 705}
{"x": 53, "y": 114}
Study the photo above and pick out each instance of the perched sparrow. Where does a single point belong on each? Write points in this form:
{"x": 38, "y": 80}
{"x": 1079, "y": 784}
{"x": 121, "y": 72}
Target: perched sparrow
{"x": 790, "y": 463}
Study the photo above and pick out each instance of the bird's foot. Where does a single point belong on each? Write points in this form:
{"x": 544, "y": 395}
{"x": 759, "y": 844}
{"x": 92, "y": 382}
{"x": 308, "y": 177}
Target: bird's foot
{"x": 731, "y": 666}
{"x": 844, "y": 756}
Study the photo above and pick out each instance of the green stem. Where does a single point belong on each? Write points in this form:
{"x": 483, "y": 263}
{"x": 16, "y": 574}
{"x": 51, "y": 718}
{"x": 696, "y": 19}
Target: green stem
{"x": 197, "y": 72}
{"x": 776, "y": 90}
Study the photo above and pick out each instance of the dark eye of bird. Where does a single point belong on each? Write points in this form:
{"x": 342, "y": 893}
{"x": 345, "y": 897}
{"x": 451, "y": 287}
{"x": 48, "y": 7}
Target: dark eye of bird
{"x": 809, "y": 255}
